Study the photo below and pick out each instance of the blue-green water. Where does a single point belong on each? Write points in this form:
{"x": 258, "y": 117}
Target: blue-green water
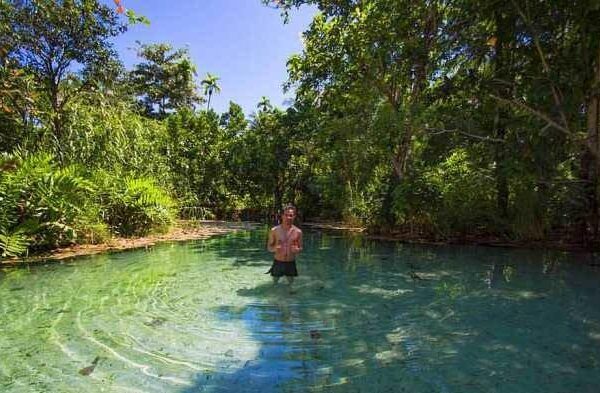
{"x": 363, "y": 316}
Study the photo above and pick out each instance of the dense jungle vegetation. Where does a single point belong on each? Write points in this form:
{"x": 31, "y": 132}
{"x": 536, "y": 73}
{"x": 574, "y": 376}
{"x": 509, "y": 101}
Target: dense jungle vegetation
{"x": 434, "y": 119}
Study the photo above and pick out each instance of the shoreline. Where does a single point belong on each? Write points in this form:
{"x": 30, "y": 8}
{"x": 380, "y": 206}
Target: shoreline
{"x": 473, "y": 240}
{"x": 181, "y": 231}
{"x": 185, "y": 230}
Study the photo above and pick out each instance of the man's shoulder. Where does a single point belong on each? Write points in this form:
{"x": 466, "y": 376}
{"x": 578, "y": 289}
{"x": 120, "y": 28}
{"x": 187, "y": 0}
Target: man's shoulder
{"x": 297, "y": 229}
{"x": 275, "y": 228}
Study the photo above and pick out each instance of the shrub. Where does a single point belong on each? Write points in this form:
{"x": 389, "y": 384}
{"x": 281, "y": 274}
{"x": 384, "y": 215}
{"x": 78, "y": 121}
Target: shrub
{"x": 134, "y": 206}
{"x": 454, "y": 197}
{"x": 43, "y": 205}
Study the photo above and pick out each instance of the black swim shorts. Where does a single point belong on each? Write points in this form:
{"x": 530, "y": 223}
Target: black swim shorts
{"x": 280, "y": 268}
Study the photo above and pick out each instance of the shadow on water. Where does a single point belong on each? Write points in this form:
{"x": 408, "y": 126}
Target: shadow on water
{"x": 385, "y": 317}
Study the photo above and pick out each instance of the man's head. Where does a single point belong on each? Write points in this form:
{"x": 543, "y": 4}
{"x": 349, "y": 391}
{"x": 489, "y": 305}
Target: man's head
{"x": 288, "y": 214}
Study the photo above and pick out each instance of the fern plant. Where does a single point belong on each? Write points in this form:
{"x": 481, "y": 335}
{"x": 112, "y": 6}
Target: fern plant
{"x": 134, "y": 206}
{"x": 13, "y": 244}
{"x": 42, "y": 205}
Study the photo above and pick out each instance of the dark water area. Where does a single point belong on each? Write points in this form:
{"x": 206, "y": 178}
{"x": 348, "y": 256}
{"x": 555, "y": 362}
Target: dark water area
{"x": 363, "y": 316}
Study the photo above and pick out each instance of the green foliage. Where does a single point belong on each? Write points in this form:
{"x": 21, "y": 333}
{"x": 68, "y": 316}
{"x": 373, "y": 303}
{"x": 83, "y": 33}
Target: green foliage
{"x": 477, "y": 109}
{"x": 264, "y": 104}
{"x": 530, "y": 221}
{"x": 465, "y": 193}
{"x": 435, "y": 119}
{"x": 193, "y": 146}
{"x": 134, "y": 18}
{"x": 165, "y": 80}
{"x": 13, "y": 244}
{"x": 134, "y": 206}
{"x": 233, "y": 120}
{"x": 74, "y": 33}
{"x": 43, "y": 205}
{"x": 454, "y": 197}
{"x": 107, "y": 134}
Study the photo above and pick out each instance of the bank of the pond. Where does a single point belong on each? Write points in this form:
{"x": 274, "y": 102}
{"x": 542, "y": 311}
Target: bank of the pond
{"x": 181, "y": 231}
{"x": 555, "y": 242}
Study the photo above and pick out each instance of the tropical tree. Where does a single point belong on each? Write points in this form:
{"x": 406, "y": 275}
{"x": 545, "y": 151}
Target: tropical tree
{"x": 234, "y": 121}
{"x": 462, "y": 90}
{"x": 165, "y": 80}
{"x": 210, "y": 86}
{"x": 264, "y": 104}
{"x": 53, "y": 39}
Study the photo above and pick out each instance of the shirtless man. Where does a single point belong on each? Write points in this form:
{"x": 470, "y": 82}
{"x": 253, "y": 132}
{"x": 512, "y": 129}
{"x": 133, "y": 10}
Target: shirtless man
{"x": 285, "y": 241}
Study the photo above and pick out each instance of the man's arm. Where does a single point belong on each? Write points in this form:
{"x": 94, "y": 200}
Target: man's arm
{"x": 298, "y": 246}
{"x": 271, "y": 241}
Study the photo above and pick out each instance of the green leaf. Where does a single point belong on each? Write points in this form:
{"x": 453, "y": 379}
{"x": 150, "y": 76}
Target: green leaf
{"x": 13, "y": 244}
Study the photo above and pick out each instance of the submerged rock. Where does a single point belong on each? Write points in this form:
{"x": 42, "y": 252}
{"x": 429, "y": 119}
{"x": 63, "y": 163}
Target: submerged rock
{"x": 155, "y": 322}
{"x": 90, "y": 369}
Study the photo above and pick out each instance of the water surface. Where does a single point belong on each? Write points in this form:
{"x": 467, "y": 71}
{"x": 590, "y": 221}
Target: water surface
{"x": 364, "y": 316}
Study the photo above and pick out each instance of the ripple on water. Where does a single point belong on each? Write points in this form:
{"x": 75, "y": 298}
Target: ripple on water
{"x": 362, "y": 316}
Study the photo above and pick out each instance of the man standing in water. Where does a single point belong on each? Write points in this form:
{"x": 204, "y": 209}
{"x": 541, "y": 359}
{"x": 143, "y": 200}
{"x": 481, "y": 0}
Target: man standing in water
{"x": 285, "y": 240}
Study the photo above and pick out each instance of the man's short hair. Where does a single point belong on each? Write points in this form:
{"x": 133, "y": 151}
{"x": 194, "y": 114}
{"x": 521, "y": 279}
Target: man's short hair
{"x": 288, "y": 207}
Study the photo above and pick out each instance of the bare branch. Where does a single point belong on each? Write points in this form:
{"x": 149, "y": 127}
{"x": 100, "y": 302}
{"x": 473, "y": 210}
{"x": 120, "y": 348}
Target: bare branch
{"x": 551, "y": 123}
{"x": 564, "y": 181}
{"x": 533, "y": 111}
{"x": 437, "y": 131}
{"x": 556, "y": 95}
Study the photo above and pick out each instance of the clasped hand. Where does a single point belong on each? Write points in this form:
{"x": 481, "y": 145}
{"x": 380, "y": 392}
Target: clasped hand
{"x": 294, "y": 248}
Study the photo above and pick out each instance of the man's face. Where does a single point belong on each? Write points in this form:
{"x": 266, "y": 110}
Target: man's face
{"x": 288, "y": 216}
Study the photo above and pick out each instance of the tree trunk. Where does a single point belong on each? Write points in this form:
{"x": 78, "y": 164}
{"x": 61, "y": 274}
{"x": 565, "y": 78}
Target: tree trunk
{"x": 56, "y": 109}
{"x": 500, "y": 158}
{"x": 387, "y": 215}
{"x": 402, "y": 154}
{"x": 277, "y": 201}
{"x": 590, "y": 164}
{"x": 57, "y": 126}
{"x": 503, "y": 27}
{"x": 429, "y": 27}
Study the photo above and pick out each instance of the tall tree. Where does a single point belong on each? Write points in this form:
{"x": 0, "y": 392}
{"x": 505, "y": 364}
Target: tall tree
{"x": 233, "y": 120}
{"x": 165, "y": 80}
{"x": 391, "y": 46}
{"x": 264, "y": 104}
{"x": 389, "y": 51}
{"x": 556, "y": 97}
{"x": 57, "y": 37}
{"x": 210, "y": 86}
{"x": 18, "y": 92}
{"x": 493, "y": 84}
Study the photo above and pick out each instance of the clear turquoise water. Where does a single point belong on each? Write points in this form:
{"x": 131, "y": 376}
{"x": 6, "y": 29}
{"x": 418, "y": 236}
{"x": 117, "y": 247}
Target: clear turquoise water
{"x": 364, "y": 316}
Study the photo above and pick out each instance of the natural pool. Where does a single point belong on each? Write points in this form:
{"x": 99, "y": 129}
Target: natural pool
{"x": 364, "y": 316}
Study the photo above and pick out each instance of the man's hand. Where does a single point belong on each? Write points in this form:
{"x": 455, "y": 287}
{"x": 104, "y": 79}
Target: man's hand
{"x": 295, "y": 246}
